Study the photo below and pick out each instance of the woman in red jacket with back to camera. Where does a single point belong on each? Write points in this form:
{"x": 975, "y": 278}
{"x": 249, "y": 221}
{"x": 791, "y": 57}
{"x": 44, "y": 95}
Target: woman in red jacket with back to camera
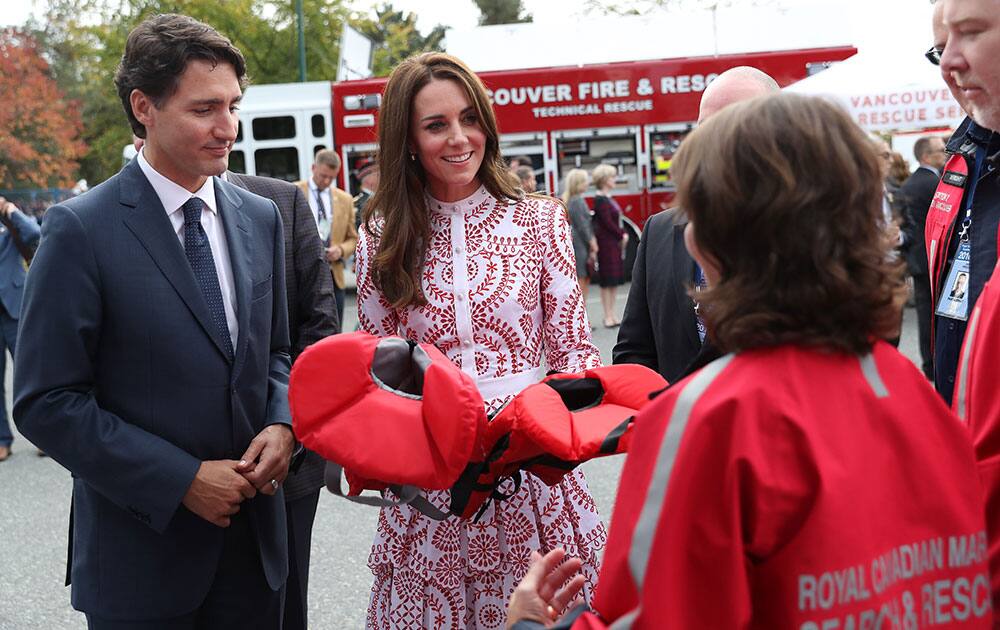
{"x": 809, "y": 478}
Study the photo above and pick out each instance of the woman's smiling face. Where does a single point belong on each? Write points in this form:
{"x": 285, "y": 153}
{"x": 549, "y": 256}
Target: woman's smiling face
{"x": 447, "y": 138}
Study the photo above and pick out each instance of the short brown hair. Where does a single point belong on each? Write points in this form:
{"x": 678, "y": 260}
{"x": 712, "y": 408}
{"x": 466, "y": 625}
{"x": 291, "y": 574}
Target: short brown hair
{"x": 327, "y": 157}
{"x": 158, "y": 51}
{"x": 784, "y": 193}
{"x": 399, "y": 200}
{"x": 922, "y": 147}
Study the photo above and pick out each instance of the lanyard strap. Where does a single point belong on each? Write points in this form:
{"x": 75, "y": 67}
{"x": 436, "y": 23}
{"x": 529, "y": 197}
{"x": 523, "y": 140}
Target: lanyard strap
{"x": 977, "y": 168}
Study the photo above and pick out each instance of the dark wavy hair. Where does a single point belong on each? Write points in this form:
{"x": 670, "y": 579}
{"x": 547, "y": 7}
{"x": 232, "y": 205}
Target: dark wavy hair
{"x": 784, "y": 193}
{"x": 158, "y": 51}
{"x": 399, "y": 201}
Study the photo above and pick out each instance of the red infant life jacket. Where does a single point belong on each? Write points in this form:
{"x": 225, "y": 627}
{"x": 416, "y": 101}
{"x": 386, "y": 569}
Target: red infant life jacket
{"x": 553, "y": 426}
{"x": 396, "y": 414}
{"x": 389, "y": 411}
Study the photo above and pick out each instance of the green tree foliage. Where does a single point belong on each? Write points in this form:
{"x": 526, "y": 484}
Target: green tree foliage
{"x": 84, "y": 39}
{"x": 395, "y": 37}
{"x": 501, "y": 12}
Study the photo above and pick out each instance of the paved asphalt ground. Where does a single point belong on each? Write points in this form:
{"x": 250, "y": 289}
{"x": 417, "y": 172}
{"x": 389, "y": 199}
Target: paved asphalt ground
{"x": 34, "y": 512}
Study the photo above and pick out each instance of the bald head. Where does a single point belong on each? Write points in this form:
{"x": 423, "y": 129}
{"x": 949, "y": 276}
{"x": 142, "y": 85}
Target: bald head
{"x": 939, "y": 30}
{"x": 732, "y": 86}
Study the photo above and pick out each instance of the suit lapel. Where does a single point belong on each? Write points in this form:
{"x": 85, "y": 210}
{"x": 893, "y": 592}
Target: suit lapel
{"x": 148, "y": 221}
{"x": 684, "y": 265}
{"x": 236, "y": 226}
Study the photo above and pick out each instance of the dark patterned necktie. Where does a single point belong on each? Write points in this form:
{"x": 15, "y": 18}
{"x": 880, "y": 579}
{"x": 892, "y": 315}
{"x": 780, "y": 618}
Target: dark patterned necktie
{"x": 321, "y": 218}
{"x": 320, "y": 206}
{"x": 199, "y": 255}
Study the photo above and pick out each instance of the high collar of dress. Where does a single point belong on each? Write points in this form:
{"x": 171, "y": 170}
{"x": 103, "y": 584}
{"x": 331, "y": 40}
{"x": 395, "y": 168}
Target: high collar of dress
{"x": 461, "y": 206}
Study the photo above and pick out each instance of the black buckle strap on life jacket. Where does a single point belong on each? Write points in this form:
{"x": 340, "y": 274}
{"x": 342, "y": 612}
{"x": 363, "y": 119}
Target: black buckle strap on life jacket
{"x": 465, "y": 485}
{"x": 610, "y": 444}
{"x": 468, "y": 481}
{"x": 408, "y": 495}
{"x": 498, "y": 496}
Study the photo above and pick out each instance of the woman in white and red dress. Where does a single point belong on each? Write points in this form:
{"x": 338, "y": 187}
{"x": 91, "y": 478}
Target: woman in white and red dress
{"x": 452, "y": 254}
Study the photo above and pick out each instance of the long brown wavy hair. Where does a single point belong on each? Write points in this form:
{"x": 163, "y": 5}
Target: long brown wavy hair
{"x": 399, "y": 202}
{"x": 784, "y": 193}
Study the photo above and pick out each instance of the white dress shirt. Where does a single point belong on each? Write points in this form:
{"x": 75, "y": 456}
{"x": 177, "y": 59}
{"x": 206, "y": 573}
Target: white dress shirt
{"x": 325, "y": 195}
{"x": 173, "y": 197}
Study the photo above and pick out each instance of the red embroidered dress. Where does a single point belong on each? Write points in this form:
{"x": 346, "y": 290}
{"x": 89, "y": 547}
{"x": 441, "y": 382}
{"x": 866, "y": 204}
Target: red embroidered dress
{"x": 503, "y": 303}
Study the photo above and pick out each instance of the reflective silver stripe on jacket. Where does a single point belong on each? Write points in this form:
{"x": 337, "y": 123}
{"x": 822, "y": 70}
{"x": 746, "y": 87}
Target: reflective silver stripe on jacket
{"x": 962, "y": 386}
{"x": 656, "y": 493}
{"x": 870, "y": 370}
{"x": 930, "y": 267}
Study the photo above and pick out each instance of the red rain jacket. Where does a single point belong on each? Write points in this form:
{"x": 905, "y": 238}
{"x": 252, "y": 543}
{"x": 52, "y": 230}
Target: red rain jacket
{"x": 793, "y": 488}
{"x": 977, "y": 402}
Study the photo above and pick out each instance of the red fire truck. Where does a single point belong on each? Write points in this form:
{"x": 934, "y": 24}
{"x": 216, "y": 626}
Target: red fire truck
{"x": 632, "y": 115}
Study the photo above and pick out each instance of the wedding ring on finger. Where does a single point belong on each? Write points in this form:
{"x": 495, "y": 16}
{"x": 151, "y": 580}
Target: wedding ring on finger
{"x": 274, "y": 484}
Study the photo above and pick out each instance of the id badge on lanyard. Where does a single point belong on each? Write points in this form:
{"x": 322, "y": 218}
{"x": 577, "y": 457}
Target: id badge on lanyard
{"x": 953, "y": 302}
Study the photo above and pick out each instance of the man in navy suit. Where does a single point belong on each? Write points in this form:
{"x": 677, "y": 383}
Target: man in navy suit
{"x": 918, "y": 192}
{"x": 156, "y": 364}
{"x": 660, "y": 328}
{"x": 18, "y": 236}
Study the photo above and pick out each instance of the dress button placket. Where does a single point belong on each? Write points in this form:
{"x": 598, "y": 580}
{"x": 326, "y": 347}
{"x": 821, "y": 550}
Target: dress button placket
{"x": 460, "y": 274}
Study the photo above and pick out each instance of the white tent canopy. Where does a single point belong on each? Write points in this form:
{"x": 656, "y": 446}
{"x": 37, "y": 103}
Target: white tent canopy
{"x": 902, "y": 92}
{"x": 659, "y": 35}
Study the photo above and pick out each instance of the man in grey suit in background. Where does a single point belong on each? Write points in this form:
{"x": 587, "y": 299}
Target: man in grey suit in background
{"x": 312, "y": 315}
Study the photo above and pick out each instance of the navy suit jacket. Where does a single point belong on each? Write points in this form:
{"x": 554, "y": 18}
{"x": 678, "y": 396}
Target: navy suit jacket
{"x": 918, "y": 193}
{"x": 659, "y": 328}
{"x": 12, "y": 263}
{"x": 121, "y": 377}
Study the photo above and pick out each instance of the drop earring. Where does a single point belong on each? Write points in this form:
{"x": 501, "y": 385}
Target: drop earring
{"x": 413, "y": 157}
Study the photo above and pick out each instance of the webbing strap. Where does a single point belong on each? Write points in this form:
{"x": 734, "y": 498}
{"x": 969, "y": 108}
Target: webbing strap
{"x": 408, "y": 495}
{"x": 610, "y": 444}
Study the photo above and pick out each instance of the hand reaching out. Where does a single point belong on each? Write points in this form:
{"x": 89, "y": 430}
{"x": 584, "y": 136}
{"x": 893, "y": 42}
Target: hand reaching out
{"x": 6, "y": 208}
{"x": 548, "y": 588}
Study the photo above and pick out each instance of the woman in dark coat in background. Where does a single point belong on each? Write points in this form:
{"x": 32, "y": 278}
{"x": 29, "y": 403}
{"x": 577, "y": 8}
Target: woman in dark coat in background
{"x": 610, "y": 240}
